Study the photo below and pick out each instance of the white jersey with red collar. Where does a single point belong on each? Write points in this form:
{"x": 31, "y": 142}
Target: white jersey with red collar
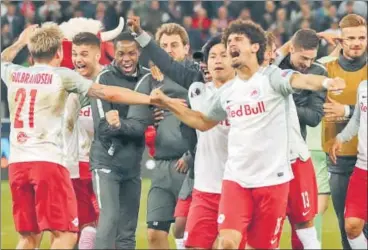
{"x": 37, "y": 99}
{"x": 211, "y": 153}
{"x": 257, "y": 110}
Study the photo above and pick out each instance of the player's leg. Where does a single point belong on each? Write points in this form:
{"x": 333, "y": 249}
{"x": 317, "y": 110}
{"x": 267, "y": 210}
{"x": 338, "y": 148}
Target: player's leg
{"x": 86, "y": 213}
{"x": 106, "y": 185}
{"x": 56, "y": 204}
{"x": 182, "y": 210}
{"x": 129, "y": 198}
{"x": 201, "y": 229}
{"x": 356, "y": 209}
{"x": 302, "y": 205}
{"x": 322, "y": 176}
{"x": 235, "y": 214}
{"x": 180, "y": 215}
{"x": 270, "y": 205}
{"x": 24, "y": 208}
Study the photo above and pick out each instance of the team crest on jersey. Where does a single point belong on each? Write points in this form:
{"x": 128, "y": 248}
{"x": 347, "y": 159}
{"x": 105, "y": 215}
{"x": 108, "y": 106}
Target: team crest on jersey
{"x": 22, "y": 137}
{"x": 195, "y": 92}
{"x": 255, "y": 93}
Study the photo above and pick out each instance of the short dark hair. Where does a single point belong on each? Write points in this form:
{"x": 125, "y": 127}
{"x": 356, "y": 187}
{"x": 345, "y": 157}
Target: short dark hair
{"x": 210, "y": 43}
{"x": 252, "y": 31}
{"x": 86, "y": 38}
{"x": 124, "y": 36}
{"x": 305, "y": 39}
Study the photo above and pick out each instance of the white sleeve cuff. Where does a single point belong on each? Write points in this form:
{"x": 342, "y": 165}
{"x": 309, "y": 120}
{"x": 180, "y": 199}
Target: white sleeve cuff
{"x": 347, "y": 110}
{"x": 143, "y": 39}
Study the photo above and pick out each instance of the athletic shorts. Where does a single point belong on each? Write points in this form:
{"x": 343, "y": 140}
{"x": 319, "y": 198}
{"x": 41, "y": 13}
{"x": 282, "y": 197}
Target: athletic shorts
{"x": 303, "y": 197}
{"x": 257, "y": 213}
{"x": 321, "y": 170}
{"x": 356, "y": 198}
{"x": 201, "y": 229}
{"x": 43, "y": 197}
{"x": 86, "y": 200}
{"x": 182, "y": 207}
{"x": 166, "y": 183}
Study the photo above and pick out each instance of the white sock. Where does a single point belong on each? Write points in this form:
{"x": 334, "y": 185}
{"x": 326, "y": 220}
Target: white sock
{"x": 179, "y": 243}
{"x": 359, "y": 242}
{"x": 308, "y": 237}
{"x": 87, "y": 238}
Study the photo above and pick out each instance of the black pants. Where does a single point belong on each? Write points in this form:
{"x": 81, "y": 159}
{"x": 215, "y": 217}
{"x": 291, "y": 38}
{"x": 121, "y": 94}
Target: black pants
{"x": 339, "y": 182}
{"x": 119, "y": 201}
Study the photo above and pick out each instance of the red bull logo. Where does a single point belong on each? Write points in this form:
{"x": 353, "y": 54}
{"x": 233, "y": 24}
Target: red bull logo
{"x": 247, "y": 109}
{"x": 85, "y": 112}
{"x": 363, "y": 107}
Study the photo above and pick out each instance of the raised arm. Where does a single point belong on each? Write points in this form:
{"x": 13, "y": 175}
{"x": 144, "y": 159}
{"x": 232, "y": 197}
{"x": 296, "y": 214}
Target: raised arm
{"x": 190, "y": 117}
{"x": 317, "y": 83}
{"x": 176, "y": 71}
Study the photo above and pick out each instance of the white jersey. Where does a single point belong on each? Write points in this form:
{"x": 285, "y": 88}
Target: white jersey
{"x": 70, "y": 135}
{"x": 298, "y": 147}
{"x": 358, "y": 125}
{"x": 257, "y": 109}
{"x": 37, "y": 97}
{"x": 85, "y": 129}
{"x": 211, "y": 153}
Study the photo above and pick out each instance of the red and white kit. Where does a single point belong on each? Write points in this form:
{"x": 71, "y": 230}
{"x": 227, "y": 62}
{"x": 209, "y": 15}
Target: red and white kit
{"x": 257, "y": 172}
{"x": 356, "y": 199}
{"x": 42, "y": 192}
{"x": 209, "y": 165}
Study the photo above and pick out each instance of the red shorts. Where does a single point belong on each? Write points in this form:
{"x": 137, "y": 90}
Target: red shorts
{"x": 303, "y": 195}
{"x": 201, "y": 228}
{"x": 182, "y": 207}
{"x": 43, "y": 197}
{"x": 356, "y": 198}
{"x": 87, "y": 210}
{"x": 257, "y": 213}
{"x": 84, "y": 171}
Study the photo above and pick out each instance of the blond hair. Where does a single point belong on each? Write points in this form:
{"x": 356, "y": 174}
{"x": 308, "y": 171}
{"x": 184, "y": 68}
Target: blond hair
{"x": 270, "y": 39}
{"x": 45, "y": 41}
{"x": 352, "y": 20}
{"x": 172, "y": 29}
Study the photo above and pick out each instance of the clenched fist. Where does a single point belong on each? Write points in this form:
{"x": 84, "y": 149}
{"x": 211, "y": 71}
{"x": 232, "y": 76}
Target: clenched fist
{"x": 134, "y": 24}
{"x": 335, "y": 85}
{"x": 113, "y": 119}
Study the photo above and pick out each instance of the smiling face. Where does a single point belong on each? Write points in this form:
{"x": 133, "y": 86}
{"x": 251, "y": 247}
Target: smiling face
{"x": 354, "y": 41}
{"x": 85, "y": 59}
{"x": 126, "y": 56}
{"x": 240, "y": 49}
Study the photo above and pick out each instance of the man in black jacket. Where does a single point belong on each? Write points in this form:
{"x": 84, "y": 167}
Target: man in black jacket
{"x": 303, "y": 51}
{"x": 116, "y": 154}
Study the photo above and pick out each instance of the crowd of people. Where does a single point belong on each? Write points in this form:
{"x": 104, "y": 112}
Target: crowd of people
{"x": 226, "y": 126}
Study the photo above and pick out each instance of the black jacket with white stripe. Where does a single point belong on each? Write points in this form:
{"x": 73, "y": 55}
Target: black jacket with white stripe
{"x": 119, "y": 150}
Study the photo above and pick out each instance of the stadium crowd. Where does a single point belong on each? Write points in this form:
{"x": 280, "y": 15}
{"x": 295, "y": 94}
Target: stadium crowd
{"x": 223, "y": 94}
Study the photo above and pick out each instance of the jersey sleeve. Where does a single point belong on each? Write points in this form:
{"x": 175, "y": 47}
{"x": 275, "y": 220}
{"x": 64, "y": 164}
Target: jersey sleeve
{"x": 7, "y": 68}
{"x": 74, "y": 82}
{"x": 195, "y": 95}
{"x": 280, "y": 79}
{"x": 215, "y": 110}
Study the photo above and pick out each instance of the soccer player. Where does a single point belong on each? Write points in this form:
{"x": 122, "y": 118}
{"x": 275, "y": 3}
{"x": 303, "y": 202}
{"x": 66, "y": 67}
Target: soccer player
{"x": 42, "y": 192}
{"x": 351, "y": 65}
{"x": 356, "y": 198}
{"x": 85, "y": 54}
{"x": 211, "y": 152}
{"x": 303, "y": 190}
{"x": 257, "y": 173}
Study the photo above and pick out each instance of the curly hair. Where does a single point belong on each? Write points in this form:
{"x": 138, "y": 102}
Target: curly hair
{"x": 252, "y": 31}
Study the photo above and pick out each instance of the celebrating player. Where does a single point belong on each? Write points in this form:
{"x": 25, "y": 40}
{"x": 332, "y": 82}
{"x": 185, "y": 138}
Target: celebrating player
{"x": 42, "y": 192}
{"x": 255, "y": 110}
{"x": 356, "y": 199}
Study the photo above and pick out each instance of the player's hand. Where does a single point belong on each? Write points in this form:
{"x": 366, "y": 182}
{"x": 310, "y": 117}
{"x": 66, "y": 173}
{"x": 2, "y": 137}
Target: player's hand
{"x": 134, "y": 24}
{"x": 156, "y": 73}
{"x": 112, "y": 117}
{"x": 336, "y": 147}
{"x": 181, "y": 166}
{"x": 335, "y": 85}
{"x": 158, "y": 98}
{"x": 158, "y": 115}
{"x": 26, "y": 34}
{"x": 332, "y": 39}
{"x": 333, "y": 109}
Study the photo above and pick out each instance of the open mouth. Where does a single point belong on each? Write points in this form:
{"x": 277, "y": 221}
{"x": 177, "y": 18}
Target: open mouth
{"x": 80, "y": 66}
{"x": 234, "y": 53}
{"x": 127, "y": 67}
